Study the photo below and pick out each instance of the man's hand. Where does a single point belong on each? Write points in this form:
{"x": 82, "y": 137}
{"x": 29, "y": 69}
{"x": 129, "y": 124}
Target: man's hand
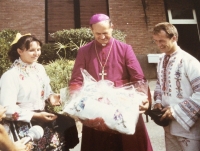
{"x": 2, "y": 112}
{"x": 158, "y": 106}
{"x": 55, "y": 99}
{"x": 167, "y": 111}
{"x": 144, "y": 106}
{"x": 167, "y": 114}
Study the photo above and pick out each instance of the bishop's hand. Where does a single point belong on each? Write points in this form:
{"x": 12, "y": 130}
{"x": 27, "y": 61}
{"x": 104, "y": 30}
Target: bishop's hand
{"x": 144, "y": 106}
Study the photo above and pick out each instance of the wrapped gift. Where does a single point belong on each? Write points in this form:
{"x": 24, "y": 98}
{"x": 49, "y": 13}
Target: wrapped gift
{"x": 117, "y": 106}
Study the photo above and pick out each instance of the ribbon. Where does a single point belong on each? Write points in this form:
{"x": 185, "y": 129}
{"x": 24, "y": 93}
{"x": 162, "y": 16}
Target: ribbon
{"x": 18, "y": 36}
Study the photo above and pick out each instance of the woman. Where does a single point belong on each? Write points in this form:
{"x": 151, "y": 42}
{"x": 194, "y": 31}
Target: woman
{"x": 24, "y": 88}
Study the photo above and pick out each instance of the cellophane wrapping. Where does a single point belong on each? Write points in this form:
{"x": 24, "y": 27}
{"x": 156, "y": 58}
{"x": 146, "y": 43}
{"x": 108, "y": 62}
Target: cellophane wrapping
{"x": 117, "y": 106}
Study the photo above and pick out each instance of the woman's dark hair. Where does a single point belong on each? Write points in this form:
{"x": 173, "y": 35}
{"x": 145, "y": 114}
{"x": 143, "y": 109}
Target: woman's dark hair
{"x": 22, "y": 43}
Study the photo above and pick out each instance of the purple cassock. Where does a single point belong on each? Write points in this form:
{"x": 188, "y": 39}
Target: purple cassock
{"x": 121, "y": 66}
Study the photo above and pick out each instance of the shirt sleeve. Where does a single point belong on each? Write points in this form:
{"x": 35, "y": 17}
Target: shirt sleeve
{"x": 136, "y": 73}
{"x": 133, "y": 65}
{"x": 157, "y": 93}
{"x": 76, "y": 80}
{"x": 9, "y": 88}
{"x": 189, "y": 108}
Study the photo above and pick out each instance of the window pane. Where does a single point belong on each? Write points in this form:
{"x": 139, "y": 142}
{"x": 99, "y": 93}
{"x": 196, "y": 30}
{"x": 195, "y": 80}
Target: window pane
{"x": 182, "y": 14}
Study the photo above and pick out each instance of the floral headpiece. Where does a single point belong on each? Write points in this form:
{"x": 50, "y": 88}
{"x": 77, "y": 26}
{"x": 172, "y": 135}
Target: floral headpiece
{"x": 18, "y": 36}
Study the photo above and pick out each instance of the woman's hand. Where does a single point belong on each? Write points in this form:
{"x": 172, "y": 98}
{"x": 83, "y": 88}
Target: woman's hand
{"x": 55, "y": 99}
{"x": 19, "y": 146}
{"x": 43, "y": 117}
{"x": 2, "y": 112}
{"x": 144, "y": 106}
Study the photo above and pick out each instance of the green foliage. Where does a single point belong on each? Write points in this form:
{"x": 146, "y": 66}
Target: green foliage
{"x": 76, "y": 35}
{"x": 6, "y": 38}
{"x": 67, "y": 42}
{"x": 118, "y": 34}
{"x": 59, "y": 72}
{"x": 52, "y": 108}
{"x": 63, "y": 50}
{"x": 48, "y": 54}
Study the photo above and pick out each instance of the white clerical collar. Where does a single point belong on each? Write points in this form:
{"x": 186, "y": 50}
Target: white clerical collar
{"x": 103, "y": 45}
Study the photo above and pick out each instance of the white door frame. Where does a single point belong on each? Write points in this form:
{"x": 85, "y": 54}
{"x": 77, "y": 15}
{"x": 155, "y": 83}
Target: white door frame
{"x": 184, "y": 21}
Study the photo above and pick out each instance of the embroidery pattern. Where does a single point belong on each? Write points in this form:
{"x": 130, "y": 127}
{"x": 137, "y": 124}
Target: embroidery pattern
{"x": 165, "y": 75}
{"x": 178, "y": 79}
{"x": 23, "y": 131}
{"x": 15, "y": 116}
{"x": 157, "y": 94}
{"x": 170, "y": 66}
{"x": 50, "y": 141}
{"x": 27, "y": 70}
{"x": 80, "y": 106}
{"x": 185, "y": 141}
{"x": 196, "y": 84}
{"x": 119, "y": 118}
{"x": 191, "y": 109}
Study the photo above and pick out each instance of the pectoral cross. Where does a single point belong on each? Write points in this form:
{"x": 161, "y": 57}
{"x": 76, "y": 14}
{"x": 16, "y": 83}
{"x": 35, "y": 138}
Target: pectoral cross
{"x": 102, "y": 74}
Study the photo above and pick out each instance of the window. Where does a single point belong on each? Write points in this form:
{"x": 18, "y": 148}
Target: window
{"x": 183, "y": 16}
{"x": 186, "y": 16}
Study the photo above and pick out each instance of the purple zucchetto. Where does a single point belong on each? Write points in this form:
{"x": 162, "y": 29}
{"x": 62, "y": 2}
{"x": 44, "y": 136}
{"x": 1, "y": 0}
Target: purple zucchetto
{"x": 97, "y": 18}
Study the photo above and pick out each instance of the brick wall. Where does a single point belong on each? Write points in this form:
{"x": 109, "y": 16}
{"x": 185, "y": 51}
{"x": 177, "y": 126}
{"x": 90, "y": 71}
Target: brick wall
{"x": 27, "y": 16}
{"x": 60, "y": 15}
{"x": 129, "y": 16}
{"x": 136, "y": 22}
{"x": 91, "y": 7}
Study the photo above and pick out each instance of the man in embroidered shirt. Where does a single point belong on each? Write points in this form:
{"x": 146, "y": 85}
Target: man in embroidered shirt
{"x": 108, "y": 58}
{"x": 177, "y": 91}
